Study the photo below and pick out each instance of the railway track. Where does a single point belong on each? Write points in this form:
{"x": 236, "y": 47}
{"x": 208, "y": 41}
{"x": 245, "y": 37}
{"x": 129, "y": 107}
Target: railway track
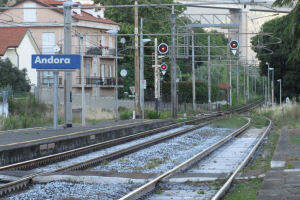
{"x": 151, "y": 186}
{"x": 23, "y": 182}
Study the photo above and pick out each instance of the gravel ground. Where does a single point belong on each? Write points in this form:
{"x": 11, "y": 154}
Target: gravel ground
{"x": 166, "y": 155}
{"x": 173, "y": 191}
{"x": 74, "y": 191}
{"x": 104, "y": 151}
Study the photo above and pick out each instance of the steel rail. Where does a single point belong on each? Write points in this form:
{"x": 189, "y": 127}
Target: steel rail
{"x": 228, "y": 183}
{"x": 150, "y": 186}
{"x": 23, "y": 182}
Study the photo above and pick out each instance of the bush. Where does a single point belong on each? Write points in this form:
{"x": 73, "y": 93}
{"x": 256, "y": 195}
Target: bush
{"x": 152, "y": 114}
{"x": 126, "y": 114}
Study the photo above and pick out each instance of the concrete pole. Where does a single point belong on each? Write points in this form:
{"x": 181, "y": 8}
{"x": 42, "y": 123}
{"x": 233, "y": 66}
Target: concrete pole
{"x": 142, "y": 71}
{"x": 228, "y": 81}
{"x": 247, "y": 67}
{"x": 136, "y": 61}
{"x": 193, "y": 72}
{"x": 173, "y": 67}
{"x": 245, "y": 84}
{"x": 155, "y": 76}
{"x": 255, "y": 85}
{"x": 68, "y": 50}
{"x": 280, "y": 91}
{"x": 273, "y": 87}
{"x": 38, "y": 78}
{"x": 268, "y": 88}
{"x": 230, "y": 85}
{"x": 82, "y": 82}
{"x": 116, "y": 75}
{"x": 209, "y": 71}
{"x": 55, "y": 100}
{"x": 237, "y": 83}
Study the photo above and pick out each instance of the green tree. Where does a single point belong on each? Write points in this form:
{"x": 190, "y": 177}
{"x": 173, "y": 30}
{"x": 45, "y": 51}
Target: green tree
{"x": 13, "y": 77}
{"x": 277, "y": 44}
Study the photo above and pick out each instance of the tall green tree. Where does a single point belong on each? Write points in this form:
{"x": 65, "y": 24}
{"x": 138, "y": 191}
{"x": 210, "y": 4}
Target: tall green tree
{"x": 278, "y": 44}
{"x": 13, "y": 77}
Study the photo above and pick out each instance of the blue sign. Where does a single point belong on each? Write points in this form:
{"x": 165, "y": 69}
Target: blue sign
{"x": 56, "y": 61}
{"x": 237, "y": 70}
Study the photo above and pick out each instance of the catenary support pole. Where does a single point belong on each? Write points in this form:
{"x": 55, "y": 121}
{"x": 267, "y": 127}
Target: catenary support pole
{"x": 155, "y": 76}
{"x": 55, "y": 100}
{"x": 173, "y": 67}
{"x": 209, "y": 72}
{"x": 193, "y": 71}
{"x": 67, "y": 50}
{"x": 142, "y": 71}
{"x": 82, "y": 82}
{"x": 136, "y": 61}
{"x": 237, "y": 83}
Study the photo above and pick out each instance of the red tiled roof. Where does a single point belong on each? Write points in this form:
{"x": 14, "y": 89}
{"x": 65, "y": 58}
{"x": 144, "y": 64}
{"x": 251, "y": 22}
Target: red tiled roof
{"x": 84, "y": 16}
{"x": 10, "y": 37}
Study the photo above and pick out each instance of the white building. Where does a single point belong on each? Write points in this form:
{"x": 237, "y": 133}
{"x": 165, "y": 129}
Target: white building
{"x": 17, "y": 44}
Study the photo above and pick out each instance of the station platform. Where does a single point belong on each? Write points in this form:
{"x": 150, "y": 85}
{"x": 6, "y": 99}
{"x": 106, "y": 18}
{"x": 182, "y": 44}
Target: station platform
{"x": 24, "y": 144}
{"x": 282, "y": 181}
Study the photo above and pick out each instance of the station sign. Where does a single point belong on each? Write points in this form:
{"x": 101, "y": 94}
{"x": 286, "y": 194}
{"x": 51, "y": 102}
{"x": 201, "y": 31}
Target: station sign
{"x": 56, "y": 61}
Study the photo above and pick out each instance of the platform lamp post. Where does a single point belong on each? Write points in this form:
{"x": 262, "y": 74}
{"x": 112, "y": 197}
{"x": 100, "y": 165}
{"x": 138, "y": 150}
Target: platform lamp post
{"x": 268, "y": 88}
{"x": 115, "y": 33}
{"x": 272, "y": 85}
{"x": 279, "y": 80}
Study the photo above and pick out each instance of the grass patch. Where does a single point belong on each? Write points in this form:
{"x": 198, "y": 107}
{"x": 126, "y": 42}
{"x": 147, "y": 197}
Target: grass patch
{"x": 159, "y": 191}
{"x": 234, "y": 121}
{"x": 295, "y": 139}
{"x": 289, "y": 165}
{"x": 201, "y": 192}
{"x": 246, "y": 190}
{"x": 263, "y": 160}
{"x": 154, "y": 162}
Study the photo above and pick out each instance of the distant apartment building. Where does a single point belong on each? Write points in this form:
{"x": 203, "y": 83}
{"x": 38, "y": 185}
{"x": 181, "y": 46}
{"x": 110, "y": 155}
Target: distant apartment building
{"x": 47, "y": 28}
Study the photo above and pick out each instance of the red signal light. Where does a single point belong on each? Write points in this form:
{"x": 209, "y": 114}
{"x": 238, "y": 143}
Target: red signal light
{"x": 164, "y": 67}
{"x": 234, "y": 44}
{"x": 163, "y": 48}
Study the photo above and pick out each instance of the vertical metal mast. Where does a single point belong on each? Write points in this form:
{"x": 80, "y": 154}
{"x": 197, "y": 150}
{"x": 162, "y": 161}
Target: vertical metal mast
{"x": 173, "y": 66}
{"x": 136, "y": 61}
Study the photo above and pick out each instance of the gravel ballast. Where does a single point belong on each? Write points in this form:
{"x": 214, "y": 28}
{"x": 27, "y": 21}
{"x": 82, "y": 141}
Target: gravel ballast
{"x": 166, "y": 155}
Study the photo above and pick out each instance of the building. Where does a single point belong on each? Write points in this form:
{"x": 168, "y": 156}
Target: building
{"x": 17, "y": 45}
{"x": 47, "y": 29}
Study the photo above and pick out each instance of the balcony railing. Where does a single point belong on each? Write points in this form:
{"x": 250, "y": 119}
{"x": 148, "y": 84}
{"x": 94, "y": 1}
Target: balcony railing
{"x": 100, "y": 51}
{"x": 99, "y": 81}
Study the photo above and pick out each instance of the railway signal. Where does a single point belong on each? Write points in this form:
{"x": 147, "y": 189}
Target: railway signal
{"x": 163, "y": 48}
{"x": 234, "y": 45}
{"x": 164, "y": 68}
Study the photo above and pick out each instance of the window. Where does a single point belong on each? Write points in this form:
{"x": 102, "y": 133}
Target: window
{"x": 88, "y": 66}
{"x": 48, "y": 78}
{"x": 103, "y": 41}
{"x": 48, "y": 43}
{"x": 87, "y": 42}
{"x": 103, "y": 72}
{"x": 110, "y": 71}
{"x": 110, "y": 42}
{"x": 30, "y": 14}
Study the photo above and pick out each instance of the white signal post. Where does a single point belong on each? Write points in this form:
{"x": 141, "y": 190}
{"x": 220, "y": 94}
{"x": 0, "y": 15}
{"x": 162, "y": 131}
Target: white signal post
{"x": 234, "y": 45}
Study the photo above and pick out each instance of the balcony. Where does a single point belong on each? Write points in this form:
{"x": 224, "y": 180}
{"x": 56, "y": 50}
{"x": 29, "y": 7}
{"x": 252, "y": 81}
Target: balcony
{"x": 97, "y": 51}
{"x": 101, "y": 81}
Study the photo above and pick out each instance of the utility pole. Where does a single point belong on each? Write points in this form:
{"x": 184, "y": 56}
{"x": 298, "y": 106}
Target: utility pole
{"x": 245, "y": 84}
{"x": 228, "y": 83}
{"x": 82, "y": 82}
{"x": 55, "y": 100}
{"x": 136, "y": 61}
{"x": 67, "y": 50}
{"x": 193, "y": 71}
{"x": 156, "y": 76}
{"x": 237, "y": 82}
{"x": 142, "y": 71}
{"x": 209, "y": 72}
{"x": 173, "y": 67}
{"x": 247, "y": 67}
